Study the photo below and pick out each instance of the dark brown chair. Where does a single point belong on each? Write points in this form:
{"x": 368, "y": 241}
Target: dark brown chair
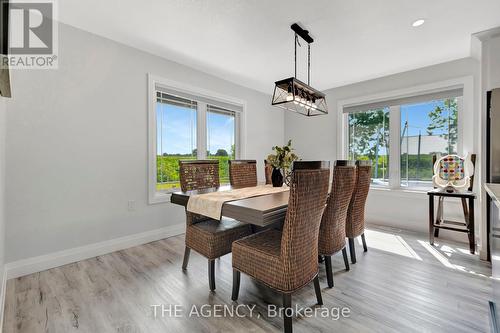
{"x": 332, "y": 230}
{"x": 198, "y": 174}
{"x": 243, "y": 173}
{"x": 210, "y": 238}
{"x": 268, "y": 168}
{"x": 355, "y": 223}
{"x": 287, "y": 261}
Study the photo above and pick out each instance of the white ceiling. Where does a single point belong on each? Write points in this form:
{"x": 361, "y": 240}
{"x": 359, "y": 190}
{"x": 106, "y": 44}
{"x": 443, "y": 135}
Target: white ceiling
{"x": 249, "y": 42}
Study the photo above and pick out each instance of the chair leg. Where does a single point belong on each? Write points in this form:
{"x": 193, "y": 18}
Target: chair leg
{"x": 187, "y": 252}
{"x": 317, "y": 290}
{"x": 329, "y": 272}
{"x": 287, "y": 312}
{"x": 470, "y": 226}
{"x": 365, "y": 249}
{"x": 346, "y": 260}
{"x": 352, "y": 250}
{"x": 211, "y": 274}
{"x": 236, "y": 284}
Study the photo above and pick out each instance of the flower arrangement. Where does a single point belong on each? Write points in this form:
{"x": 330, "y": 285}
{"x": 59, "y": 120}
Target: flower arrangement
{"x": 281, "y": 162}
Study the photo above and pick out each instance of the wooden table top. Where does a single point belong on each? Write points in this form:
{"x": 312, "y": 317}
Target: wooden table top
{"x": 261, "y": 210}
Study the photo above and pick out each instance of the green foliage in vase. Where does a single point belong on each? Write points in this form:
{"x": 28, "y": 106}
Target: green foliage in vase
{"x": 283, "y": 157}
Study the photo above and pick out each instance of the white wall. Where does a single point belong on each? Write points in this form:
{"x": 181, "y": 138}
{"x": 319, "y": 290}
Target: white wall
{"x": 316, "y": 138}
{"x": 2, "y": 201}
{"x": 77, "y": 144}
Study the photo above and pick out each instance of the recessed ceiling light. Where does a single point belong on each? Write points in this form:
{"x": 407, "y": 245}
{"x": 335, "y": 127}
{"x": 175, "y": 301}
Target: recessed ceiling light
{"x": 418, "y": 23}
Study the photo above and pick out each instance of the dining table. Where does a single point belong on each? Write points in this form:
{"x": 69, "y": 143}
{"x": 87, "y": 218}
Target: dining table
{"x": 262, "y": 210}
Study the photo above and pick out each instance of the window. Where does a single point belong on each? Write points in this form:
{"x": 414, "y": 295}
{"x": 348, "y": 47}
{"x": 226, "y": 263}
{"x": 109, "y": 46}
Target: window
{"x": 187, "y": 125}
{"x": 176, "y": 138}
{"x": 369, "y": 140}
{"x": 221, "y": 131}
{"x": 401, "y": 136}
{"x": 427, "y": 129}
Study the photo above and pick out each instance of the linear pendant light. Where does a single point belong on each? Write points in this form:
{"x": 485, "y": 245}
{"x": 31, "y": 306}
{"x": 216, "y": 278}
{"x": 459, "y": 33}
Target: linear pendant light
{"x": 294, "y": 95}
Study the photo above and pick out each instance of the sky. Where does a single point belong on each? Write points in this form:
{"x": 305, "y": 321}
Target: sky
{"x": 176, "y": 130}
{"x": 417, "y": 116}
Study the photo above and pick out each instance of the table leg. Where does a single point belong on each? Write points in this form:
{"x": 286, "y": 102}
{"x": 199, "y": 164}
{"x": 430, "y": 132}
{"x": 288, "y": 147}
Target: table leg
{"x": 439, "y": 217}
{"x": 472, "y": 237}
{"x": 431, "y": 219}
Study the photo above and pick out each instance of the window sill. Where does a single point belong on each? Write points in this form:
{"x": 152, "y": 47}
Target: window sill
{"x": 399, "y": 192}
{"x": 159, "y": 198}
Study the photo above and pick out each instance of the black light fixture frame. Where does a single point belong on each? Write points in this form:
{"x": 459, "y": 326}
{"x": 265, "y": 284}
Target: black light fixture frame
{"x": 295, "y": 95}
{"x": 4, "y": 27}
{"x": 5, "y": 88}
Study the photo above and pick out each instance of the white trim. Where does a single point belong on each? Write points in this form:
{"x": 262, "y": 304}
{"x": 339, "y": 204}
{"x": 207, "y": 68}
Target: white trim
{"x": 481, "y": 46}
{"x": 342, "y": 134}
{"x": 238, "y": 135}
{"x": 395, "y": 152}
{"x": 201, "y": 130}
{"x": 466, "y": 107}
{"x": 194, "y": 90}
{"x": 155, "y": 197}
{"x": 463, "y": 81}
{"x": 486, "y": 35}
{"x": 460, "y": 125}
{"x": 424, "y": 96}
{"x": 37, "y": 264}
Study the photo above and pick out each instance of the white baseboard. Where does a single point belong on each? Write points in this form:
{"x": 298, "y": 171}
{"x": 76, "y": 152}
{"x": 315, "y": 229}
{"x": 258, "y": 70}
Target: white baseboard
{"x": 37, "y": 264}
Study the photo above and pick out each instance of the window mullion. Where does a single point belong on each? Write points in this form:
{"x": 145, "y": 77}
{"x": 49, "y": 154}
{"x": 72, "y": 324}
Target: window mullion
{"x": 460, "y": 108}
{"x": 202, "y": 131}
{"x": 237, "y": 139}
{"x": 395, "y": 147}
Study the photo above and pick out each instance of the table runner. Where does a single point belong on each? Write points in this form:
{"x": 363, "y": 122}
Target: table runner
{"x": 210, "y": 204}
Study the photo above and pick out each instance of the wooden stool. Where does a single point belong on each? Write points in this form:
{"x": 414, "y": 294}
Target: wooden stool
{"x": 440, "y": 223}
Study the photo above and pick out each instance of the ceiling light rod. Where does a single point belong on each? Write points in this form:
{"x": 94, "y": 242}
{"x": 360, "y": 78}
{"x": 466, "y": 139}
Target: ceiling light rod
{"x": 304, "y": 34}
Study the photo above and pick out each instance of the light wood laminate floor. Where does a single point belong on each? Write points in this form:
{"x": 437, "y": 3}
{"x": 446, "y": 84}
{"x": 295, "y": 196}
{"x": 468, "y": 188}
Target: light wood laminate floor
{"x": 401, "y": 285}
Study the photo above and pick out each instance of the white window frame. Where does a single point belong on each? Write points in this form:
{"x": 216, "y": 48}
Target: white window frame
{"x": 465, "y": 142}
{"x": 154, "y": 196}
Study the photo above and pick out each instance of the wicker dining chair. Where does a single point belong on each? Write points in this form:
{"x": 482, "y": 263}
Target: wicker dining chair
{"x": 268, "y": 168}
{"x": 287, "y": 261}
{"x": 332, "y": 230}
{"x": 243, "y": 173}
{"x": 198, "y": 174}
{"x": 210, "y": 238}
{"x": 355, "y": 223}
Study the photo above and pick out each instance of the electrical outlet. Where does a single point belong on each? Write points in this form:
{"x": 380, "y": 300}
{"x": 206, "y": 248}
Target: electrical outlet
{"x": 131, "y": 205}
